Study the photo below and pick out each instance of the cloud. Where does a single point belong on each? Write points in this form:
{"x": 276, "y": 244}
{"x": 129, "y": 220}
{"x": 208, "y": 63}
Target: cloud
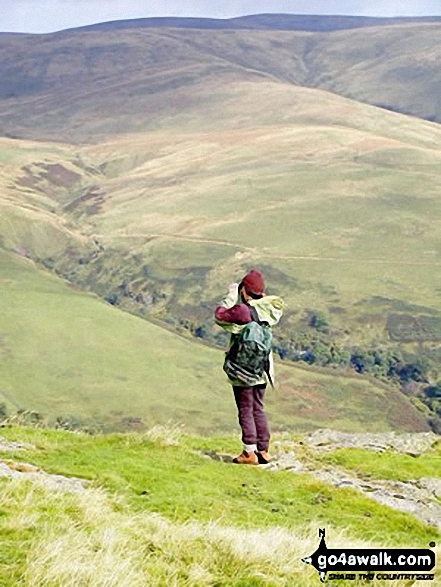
{"x": 50, "y": 15}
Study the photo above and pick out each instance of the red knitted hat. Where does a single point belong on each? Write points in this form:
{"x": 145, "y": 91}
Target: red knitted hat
{"x": 254, "y": 283}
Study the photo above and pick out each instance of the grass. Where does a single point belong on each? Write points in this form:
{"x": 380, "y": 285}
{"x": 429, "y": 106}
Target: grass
{"x": 328, "y": 215}
{"x": 386, "y": 465}
{"x": 345, "y": 203}
{"x": 66, "y": 353}
{"x": 150, "y": 71}
{"x": 13, "y": 152}
{"x": 345, "y": 207}
{"x": 160, "y": 513}
{"x": 345, "y": 196}
{"x": 151, "y": 477}
{"x": 92, "y": 540}
{"x": 61, "y": 355}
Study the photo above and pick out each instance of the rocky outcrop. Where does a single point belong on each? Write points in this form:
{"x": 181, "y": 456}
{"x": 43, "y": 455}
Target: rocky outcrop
{"x": 7, "y": 445}
{"x": 14, "y": 470}
{"x": 21, "y": 470}
{"x": 412, "y": 444}
{"x": 419, "y": 497}
{"x": 431, "y": 484}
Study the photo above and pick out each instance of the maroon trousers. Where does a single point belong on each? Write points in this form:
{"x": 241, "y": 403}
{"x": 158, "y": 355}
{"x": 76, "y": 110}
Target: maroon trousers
{"x": 252, "y": 418}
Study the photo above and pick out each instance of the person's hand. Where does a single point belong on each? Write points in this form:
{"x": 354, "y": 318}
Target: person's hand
{"x": 233, "y": 289}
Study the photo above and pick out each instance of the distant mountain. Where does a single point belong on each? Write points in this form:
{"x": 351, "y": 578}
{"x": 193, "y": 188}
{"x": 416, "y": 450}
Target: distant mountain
{"x": 282, "y": 22}
{"x": 9, "y": 35}
{"x": 83, "y": 85}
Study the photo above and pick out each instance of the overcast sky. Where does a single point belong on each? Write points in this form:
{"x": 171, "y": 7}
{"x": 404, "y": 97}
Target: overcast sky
{"x": 40, "y": 16}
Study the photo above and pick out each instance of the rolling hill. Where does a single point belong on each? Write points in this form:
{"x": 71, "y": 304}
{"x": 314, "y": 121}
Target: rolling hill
{"x": 158, "y": 223}
{"x": 68, "y": 86}
{"x": 161, "y": 211}
{"x": 154, "y": 172}
{"x": 143, "y": 168}
{"x": 69, "y": 356}
{"x": 270, "y": 21}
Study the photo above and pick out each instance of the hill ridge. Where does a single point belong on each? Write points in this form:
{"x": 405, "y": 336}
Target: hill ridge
{"x": 261, "y": 21}
{"x": 69, "y": 84}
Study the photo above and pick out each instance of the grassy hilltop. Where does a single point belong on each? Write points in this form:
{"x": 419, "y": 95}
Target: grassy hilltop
{"x": 134, "y": 525}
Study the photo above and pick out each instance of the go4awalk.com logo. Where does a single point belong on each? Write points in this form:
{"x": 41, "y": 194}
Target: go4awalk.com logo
{"x": 372, "y": 563}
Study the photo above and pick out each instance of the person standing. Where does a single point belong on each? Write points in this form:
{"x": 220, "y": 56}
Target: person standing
{"x": 245, "y": 303}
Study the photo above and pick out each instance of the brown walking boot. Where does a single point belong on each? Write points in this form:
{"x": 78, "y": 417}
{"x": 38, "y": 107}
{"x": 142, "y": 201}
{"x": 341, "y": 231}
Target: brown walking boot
{"x": 263, "y": 457}
{"x": 246, "y": 458}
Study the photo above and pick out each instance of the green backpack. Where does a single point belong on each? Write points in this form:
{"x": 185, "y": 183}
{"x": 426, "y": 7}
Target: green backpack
{"x": 248, "y": 358}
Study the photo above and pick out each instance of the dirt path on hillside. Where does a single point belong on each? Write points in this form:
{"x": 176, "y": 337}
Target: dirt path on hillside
{"x": 263, "y": 253}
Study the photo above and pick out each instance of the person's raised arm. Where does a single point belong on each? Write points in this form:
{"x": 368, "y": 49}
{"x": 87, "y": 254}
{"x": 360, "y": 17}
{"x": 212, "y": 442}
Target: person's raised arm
{"x": 231, "y": 312}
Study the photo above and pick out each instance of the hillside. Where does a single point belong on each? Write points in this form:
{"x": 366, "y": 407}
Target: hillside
{"x": 68, "y": 86}
{"x": 271, "y": 21}
{"x": 111, "y": 510}
{"x": 68, "y": 355}
{"x": 142, "y": 170}
{"x": 196, "y": 180}
{"x": 314, "y": 167}
{"x": 160, "y": 222}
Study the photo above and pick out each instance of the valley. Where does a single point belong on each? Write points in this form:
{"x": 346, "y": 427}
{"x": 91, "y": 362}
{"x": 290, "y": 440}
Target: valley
{"x": 195, "y": 180}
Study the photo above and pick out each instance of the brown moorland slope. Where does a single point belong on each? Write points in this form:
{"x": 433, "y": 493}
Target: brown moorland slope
{"x": 84, "y": 86}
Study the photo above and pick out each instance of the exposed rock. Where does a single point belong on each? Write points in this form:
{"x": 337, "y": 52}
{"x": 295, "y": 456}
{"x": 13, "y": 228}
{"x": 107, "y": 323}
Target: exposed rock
{"x": 287, "y": 462}
{"x": 212, "y": 454}
{"x": 405, "y": 497}
{"x": 417, "y": 497}
{"x": 414, "y": 444}
{"x": 7, "y": 445}
{"x": 21, "y": 467}
{"x": 432, "y": 484}
{"x": 27, "y": 471}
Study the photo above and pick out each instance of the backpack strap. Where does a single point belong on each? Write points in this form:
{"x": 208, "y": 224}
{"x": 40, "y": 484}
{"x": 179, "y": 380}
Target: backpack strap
{"x": 255, "y": 318}
{"x": 254, "y": 314}
{"x": 268, "y": 374}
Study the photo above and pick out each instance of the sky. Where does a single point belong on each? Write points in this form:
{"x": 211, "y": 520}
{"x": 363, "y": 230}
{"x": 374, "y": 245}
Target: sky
{"x": 42, "y": 16}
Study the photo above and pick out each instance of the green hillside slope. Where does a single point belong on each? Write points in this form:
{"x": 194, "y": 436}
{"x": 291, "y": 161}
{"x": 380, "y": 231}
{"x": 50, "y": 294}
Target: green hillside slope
{"x": 35, "y": 180}
{"x": 67, "y": 354}
{"x": 396, "y": 67}
{"x": 153, "y": 510}
{"x": 196, "y": 180}
{"x": 337, "y": 202}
